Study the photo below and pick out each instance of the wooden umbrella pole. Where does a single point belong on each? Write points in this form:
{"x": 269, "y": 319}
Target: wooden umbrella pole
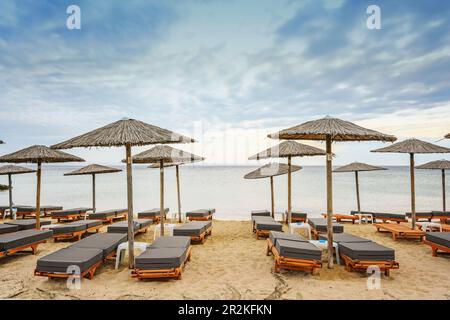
{"x": 272, "y": 197}
{"x": 177, "y": 170}
{"x": 357, "y": 191}
{"x": 130, "y": 207}
{"x": 161, "y": 196}
{"x": 289, "y": 191}
{"x": 443, "y": 191}
{"x": 329, "y": 202}
{"x": 10, "y": 197}
{"x": 413, "y": 190}
{"x": 38, "y": 196}
{"x": 94, "y": 208}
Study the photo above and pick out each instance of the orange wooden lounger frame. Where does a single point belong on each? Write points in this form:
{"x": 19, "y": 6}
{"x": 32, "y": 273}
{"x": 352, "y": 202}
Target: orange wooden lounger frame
{"x": 76, "y": 234}
{"x": 202, "y": 237}
{"x": 435, "y": 247}
{"x": 398, "y": 220}
{"x": 209, "y": 217}
{"x": 174, "y": 273}
{"x": 32, "y": 246}
{"x": 281, "y": 262}
{"x": 32, "y": 214}
{"x": 89, "y": 273}
{"x": 339, "y": 217}
{"x": 298, "y": 219}
{"x": 399, "y": 231}
{"x": 68, "y": 218}
{"x": 363, "y": 265}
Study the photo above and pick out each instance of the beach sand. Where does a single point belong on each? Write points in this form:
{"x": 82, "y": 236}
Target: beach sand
{"x": 231, "y": 265}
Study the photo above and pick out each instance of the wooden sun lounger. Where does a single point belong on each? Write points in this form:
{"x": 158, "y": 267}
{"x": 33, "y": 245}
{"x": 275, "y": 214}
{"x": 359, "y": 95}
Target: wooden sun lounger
{"x": 339, "y": 217}
{"x": 202, "y": 237}
{"x": 32, "y": 246}
{"x": 362, "y": 265}
{"x": 399, "y": 231}
{"x": 435, "y": 247}
{"x": 281, "y": 262}
{"x": 77, "y": 234}
{"x": 174, "y": 273}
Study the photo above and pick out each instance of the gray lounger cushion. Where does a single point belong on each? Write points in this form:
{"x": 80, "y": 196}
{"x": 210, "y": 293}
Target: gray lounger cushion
{"x": 122, "y": 227}
{"x": 18, "y": 239}
{"x": 261, "y": 218}
{"x": 268, "y": 225}
{"x": 155, "y": 212}
{"x": 260, "y": 213}
{"x": 344, "y": 237}
{"x": 366, "y": 251}
{"x": 8, "y": 228}
{"x": 274, "y": 236}
{"x": 441, "y": 213}
{"x": 27, "y": 224}
{"x": 107, "y": 242}
{"x": 298, "y": 250}
{"x": 60, "y": 260}
{"x": 118, "y": 212}
{"x": 102, "y": 214}
{"x": 171, "y": 242}
{"x": 189, "y": 229}
{"x": 66, "y": 212}
{"x": 320, "y": 224}
{"x": 204, "y": 224}
{"x": 198, "y": 213}
{"x": 143, "y": 223}
{"x": 441, "y": 238}
{"x": 91, "y": 223}
{"x": 425, "y": 214}
{"x": 298, "y": 214}
{"x": 386, "y": 215}
{"x": 161, "y": 258}
{"x": 69, "y": 228}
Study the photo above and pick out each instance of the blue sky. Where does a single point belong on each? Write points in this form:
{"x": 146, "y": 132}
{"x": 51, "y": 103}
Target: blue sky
{"x": 225, "y": 72}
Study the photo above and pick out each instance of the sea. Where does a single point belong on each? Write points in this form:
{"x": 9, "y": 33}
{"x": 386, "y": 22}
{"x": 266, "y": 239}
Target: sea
{"x": 225, "y": 189}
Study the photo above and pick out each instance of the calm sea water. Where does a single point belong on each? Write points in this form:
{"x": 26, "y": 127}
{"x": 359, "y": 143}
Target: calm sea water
{"x": 225, "y": 189}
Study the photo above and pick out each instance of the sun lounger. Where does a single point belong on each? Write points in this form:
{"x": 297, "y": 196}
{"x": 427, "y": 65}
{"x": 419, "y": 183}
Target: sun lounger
{"x": 153, "y": 214}
{"x": 441, "y": 215}
{"x": 76, "y": 229}
{"x": 30, "y": 211}
{"x": 8, "y": 228}
{"x": 344, "y": 237}
{"x": 385, "y": 216}
{"x": 274, "y": 236}
{"x": 107, "y": 242}
{"x": 260, "y": 213}
{"x": 27, "y": 224}
{"x": 140, "y": 226}
{"x": 296, "y": 255}
{"x": 297, "y": 216}
{"x": 319, "y": 225}
{"x": 339, "y": 217}
{"x": 399, "y": 231}
{"x": 438, "y": 241}
{"x": 363, "y": 255}
{"x": 14, "y": 242}
{"x": 69, "y": 214}
{"x": 197, "y": 230}
{"x": 200, "y": 214}
{"x": 262, "y": 226}
{"x": 171, "y": 242}
{"x": 109, "y": 215}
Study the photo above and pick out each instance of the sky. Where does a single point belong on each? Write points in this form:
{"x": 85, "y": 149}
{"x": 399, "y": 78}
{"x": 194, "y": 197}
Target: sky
{"x": 224, "y": 72}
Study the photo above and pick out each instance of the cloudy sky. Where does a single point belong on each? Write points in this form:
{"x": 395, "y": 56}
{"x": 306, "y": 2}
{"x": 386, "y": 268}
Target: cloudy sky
{"x": 226, "y": 72}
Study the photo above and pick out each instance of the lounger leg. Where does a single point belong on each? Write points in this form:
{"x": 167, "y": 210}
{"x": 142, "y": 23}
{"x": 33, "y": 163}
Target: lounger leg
{"x": 387, "y": 272}
{"x": 434, "y": 251}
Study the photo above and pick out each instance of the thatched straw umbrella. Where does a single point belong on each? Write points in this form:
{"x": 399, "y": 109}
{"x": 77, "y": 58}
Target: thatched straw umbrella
{"x": 271, "y": 170}
{"x": 289, "y": 149}
{"x": 330, "y": 129}
{"x": 39, "y": 155}
{"x": 438, "y": 165}
{"x": 413, "y": 146}
{"x": 177, "y": 173}
{"x": 10, "y": 170}
{"x": 93, "y": 170}
{"x": 356, "y": 167}
{"x": 164, "y": 154}
{"x": 128, "y": 133}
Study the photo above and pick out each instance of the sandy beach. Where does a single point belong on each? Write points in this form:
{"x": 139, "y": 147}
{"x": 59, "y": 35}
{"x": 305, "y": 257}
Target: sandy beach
{"x": 232, "y": 265}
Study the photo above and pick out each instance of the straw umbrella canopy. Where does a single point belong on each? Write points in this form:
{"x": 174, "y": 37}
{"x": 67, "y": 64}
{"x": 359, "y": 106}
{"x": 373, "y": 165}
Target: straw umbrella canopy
{"x": 93, "y": 170}
{"x": 356, "y": 167}
{"x": 413, "y": 146}
{"x": 177, "y": 173}
{"x": 330, "y": 129}
{"x": 161, "y": 155}
{"x": 39, "y": 154}
{"x": 11, "y": 170}
{"x": 289, "y": 149}
{"x": 127, "y": 133}
{"x": 271, "y": 170}
{"x": 438, "y": 165}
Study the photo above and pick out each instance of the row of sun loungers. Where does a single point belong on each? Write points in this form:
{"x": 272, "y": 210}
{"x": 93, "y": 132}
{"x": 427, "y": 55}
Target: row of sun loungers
{"x": 19, "y": 241}
{"x": 165, "y": 258}
{"x": 196, "y": 230}
{"x": 140, "y": 226}
{"x": 76, "y": 229}
{"x": 384, "y": 216}
{"x": 80, "y": 259}
{"x": 70, "y": 214}
{"x": 109, "y": 216}
{"x": 429, "y": 215}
